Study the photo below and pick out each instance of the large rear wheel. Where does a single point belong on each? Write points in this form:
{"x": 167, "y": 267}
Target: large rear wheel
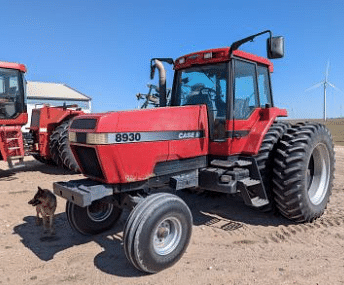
{"x": 60, "y": 150}
{"x": 54, "y": 145}
{"x": 42, "y": 159}
{"x": 65, "y": 152}
{"x": 304, "y": 172}
{"x": 265, "y": 158}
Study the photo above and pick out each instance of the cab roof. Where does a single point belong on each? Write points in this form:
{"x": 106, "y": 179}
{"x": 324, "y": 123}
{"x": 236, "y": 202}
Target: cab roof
{"x": 217, "y": 55}
{"x": 12, "y": 65}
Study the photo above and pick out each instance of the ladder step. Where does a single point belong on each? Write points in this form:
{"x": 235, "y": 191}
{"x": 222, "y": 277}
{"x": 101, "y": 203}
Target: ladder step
{"x": 14, "y": 147}
{"x": 12, "y": 139}
{"x": 16, "y": 157}
{"x": 18, "y": 164}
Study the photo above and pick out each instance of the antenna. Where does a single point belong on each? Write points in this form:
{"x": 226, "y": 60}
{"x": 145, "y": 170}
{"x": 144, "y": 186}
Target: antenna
{"x": 325, "y": 83}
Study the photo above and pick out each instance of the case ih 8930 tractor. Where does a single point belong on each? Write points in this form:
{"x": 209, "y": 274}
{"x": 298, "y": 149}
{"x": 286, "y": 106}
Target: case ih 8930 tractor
{"x": 47, "y": 140}
{"x": 219, "y": 133}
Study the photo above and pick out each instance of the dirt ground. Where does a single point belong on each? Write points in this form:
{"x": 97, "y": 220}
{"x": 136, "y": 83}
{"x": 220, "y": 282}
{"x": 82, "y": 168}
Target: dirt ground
{"x": 231, "y": 243}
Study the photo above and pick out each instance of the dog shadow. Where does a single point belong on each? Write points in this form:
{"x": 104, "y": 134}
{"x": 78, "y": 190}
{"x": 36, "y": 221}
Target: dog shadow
{"x": 45, "y": 246}
{"x": 110, "y": 260}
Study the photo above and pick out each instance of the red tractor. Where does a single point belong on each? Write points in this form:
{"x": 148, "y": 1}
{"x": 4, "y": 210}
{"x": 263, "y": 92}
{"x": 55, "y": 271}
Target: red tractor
{"x": 218, "y": 133}
{"x": 47, "y": 140}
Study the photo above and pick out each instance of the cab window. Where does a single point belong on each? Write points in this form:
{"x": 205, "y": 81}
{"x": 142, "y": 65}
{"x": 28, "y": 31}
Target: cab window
{"x": 245, "y": 89}
{"x": 264, "y": 86}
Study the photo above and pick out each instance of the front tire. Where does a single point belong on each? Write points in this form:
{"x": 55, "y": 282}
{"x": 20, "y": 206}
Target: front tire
{"x": 304, "y": 172}
{"x": 93, "y": 219}
{"x": 157, "y": 232}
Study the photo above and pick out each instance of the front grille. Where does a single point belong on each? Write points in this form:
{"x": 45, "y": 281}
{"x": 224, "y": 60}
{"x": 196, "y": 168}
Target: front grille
{"x": 88, "y": 159}
{"x": 85, "y": 124}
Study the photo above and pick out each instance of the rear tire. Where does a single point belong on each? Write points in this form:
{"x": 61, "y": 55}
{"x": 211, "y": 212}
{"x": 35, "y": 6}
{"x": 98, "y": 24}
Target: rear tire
{"x": 64, "y": 150}
{"x": 54, "y": 145}
{"x": 157, "y": 232}
{"x": 43, "y": 160}
{"x": 265, "y": 159}
{"x": 304, "y": 172}
{"x": 93, "y": 219}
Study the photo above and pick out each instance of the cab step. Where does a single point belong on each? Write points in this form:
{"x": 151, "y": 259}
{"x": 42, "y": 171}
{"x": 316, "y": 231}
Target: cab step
{"x": 229, "y": 163}
{"x": 253, "y": 192}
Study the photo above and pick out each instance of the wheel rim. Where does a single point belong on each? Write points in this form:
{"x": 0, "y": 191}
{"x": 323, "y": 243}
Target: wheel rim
{"x": 99, "y": 211}
{"x": 167, "y": 236}
{"x": 317, "y": 174}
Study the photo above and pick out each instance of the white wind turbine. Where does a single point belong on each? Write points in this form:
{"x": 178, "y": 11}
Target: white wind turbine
{"x": 325, "y": 83}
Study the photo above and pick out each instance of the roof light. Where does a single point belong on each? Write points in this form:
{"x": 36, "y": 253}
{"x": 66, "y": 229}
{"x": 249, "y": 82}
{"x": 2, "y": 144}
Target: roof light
{"x": 181, "y": 60}
{"x": 208, "y": 55}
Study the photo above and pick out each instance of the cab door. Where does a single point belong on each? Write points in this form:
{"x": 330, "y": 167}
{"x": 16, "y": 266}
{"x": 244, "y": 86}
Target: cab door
{"x": 251, "y": 95}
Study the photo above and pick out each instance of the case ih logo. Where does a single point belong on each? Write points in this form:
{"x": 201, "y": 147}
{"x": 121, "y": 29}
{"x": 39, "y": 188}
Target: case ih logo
{"x": 189, "y": 135}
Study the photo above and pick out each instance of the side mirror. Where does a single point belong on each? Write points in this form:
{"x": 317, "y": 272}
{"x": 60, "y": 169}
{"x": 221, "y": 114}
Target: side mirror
{"x": 275, "y": 47}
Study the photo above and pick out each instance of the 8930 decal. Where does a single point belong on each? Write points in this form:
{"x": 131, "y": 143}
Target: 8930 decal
{"x": 127, "y": 137}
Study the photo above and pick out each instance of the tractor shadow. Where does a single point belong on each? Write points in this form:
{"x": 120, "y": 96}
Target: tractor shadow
{"x": 7, "y": 175}
{"x": 112, "y": 259}
{"x": 209, "y": 208}
{"x": 33, "y": 166}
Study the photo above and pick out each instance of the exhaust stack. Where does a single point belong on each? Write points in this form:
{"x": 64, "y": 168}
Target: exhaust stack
{"x": 162, "y": 77}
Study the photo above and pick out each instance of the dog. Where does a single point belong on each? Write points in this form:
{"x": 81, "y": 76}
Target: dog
{"x": 45, "y": 203}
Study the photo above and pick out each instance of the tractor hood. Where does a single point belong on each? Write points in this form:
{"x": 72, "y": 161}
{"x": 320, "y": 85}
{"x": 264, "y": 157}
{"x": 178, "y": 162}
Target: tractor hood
{"x": 122, "y": 147}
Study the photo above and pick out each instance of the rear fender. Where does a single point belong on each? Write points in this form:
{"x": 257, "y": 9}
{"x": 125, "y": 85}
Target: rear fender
{"x": 49, "y": 119}
{"x": 251, "y": 143}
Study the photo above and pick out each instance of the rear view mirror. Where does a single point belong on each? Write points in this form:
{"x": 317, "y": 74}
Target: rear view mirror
{"x": 275, "y": 47}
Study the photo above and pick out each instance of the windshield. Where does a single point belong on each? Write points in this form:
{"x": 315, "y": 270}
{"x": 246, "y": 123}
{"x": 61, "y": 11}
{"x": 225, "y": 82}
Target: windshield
{"x": 11, "y": 93}
{"x": 203, "y": 85}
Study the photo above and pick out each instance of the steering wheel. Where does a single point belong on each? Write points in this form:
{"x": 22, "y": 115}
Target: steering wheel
{"x": 208, "y": 91}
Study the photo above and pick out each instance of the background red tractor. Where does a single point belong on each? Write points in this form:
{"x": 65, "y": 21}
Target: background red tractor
{"x": 47, "y": 140}
{"x": 219, "y": 133}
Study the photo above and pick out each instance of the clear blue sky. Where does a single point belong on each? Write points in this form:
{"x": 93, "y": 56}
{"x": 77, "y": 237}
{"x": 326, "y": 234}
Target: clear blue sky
{"x": 103, "y": 48}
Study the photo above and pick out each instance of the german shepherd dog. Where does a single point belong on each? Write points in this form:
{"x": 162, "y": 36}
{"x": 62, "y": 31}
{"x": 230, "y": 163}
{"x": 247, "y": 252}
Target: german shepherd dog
{"x": 45, "y": 203}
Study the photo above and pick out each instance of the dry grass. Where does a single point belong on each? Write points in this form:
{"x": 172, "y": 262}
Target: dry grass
{"x": 336, "y": 127}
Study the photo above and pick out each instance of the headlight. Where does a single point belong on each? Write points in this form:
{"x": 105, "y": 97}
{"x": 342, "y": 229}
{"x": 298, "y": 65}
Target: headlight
{"x": 72, "y": 136}
{"x": 88, "y": 138}
{"x": 93, "y": 138}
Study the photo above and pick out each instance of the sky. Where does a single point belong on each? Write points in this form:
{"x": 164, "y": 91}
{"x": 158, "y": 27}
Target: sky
{"x": 103, "y": 48}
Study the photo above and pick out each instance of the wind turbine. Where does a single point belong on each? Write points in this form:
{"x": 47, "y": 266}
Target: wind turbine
{"x": 325, "y": 83}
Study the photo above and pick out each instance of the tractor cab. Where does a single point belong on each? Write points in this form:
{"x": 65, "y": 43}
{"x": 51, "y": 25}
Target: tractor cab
{"x": 12, "y": 94}
{"x": 234, "y": 85}
{"x": 232, "y": 89}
